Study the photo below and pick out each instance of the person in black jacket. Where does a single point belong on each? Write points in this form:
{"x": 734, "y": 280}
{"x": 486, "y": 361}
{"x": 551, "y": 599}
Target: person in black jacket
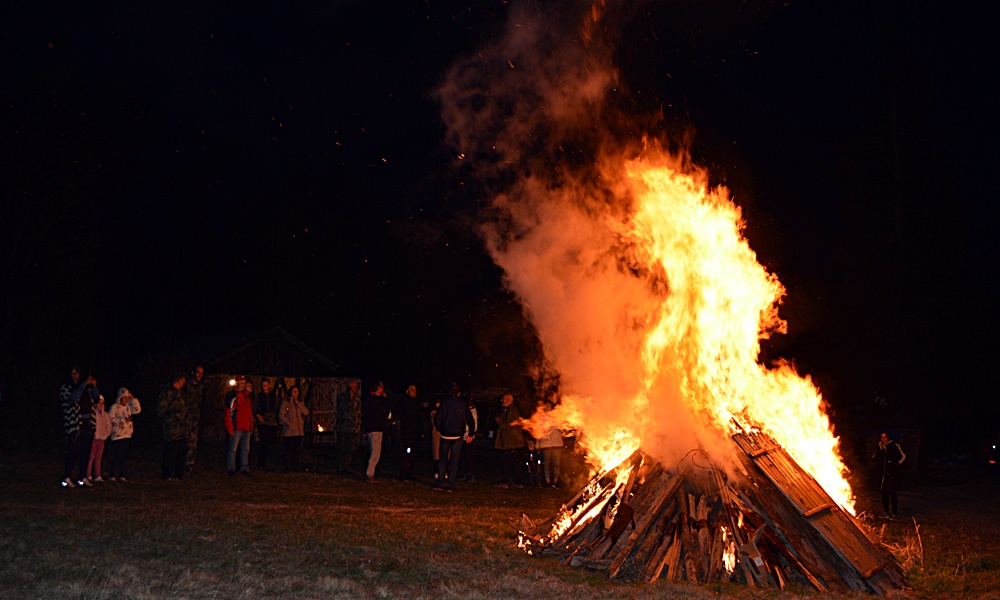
{"x": 411, "y": 429}
{"x": 374, "y": 412}
{"x": 889, "y": 457}
{"x": 452, "y": 419}
{"x": 265, "y": 412}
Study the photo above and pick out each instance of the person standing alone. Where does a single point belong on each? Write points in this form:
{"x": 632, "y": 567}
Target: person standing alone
{"x": 889, "y": 457}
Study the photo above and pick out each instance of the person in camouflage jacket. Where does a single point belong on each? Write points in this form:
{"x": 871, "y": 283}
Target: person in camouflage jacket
{"x": 172, "y": 410}
{"x": 348, "y": 425}
{"x": 194, "y": 393}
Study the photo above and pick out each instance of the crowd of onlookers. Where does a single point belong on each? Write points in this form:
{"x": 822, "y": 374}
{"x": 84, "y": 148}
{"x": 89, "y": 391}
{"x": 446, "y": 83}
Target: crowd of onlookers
{"x": 271, "y": 418}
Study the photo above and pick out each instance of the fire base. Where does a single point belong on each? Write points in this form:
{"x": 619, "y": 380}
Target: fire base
{"x": 769, "y": 525}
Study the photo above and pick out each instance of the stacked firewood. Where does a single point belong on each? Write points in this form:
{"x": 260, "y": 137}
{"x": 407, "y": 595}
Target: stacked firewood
{"x": 694, "y": 523}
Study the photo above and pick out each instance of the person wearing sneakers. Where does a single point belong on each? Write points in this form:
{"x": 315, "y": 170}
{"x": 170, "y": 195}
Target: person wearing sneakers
{"x": 126, "y": 406}
{"x": 71, "y": 423}
{"x": 78, "y": 401}
{"x": 101, "y": 422}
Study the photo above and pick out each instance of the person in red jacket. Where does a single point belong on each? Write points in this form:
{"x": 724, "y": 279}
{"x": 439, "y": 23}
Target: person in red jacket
{"x": 239, "y": 426}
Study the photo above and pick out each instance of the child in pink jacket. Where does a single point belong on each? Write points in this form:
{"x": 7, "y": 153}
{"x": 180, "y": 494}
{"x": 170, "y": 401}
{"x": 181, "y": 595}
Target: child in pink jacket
{"x": 102, "y": 429}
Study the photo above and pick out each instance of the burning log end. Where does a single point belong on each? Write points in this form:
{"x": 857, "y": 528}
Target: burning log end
{"x": 623, "y": 518}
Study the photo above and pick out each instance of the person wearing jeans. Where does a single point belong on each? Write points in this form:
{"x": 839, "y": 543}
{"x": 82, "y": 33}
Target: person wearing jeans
{"x": 239, "y": 426}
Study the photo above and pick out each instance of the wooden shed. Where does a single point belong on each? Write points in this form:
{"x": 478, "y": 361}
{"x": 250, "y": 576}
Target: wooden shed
{"x": 285, "y": 360}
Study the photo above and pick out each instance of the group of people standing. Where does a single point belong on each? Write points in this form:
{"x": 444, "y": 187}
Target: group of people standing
{"x": 268, "y": 415}
{"x": 271, "y": 414}
{"x": 88, "y": 426}
{"x": 454, "y": 421}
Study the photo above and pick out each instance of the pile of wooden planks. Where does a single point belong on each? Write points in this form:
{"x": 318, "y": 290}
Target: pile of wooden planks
{"x": 769, "y": 525}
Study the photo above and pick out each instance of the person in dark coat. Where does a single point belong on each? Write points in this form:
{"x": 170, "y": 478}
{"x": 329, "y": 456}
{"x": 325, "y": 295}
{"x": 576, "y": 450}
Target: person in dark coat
{"x": 348, "y": 425}
{"x": 889, "y": 457}
{"x": 510, "y": 441}
{"x": 374, "y": 414}
{"x": 453, "y": 418}
{"x": 411, "y": 429}
{"x": 265, "y": 411}
{"x": 171, "y": 408}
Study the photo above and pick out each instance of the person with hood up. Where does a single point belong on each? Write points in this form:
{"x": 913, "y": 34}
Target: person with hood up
{"x": 71, "y": 424}
{"x": 78, "y": 401}
{"x": 126, "y": 406}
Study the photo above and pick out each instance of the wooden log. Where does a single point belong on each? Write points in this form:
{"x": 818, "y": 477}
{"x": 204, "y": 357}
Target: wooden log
{"x": 654, "y": 538}
{"x": 585, "y": 512}
{"x": 624, "y": 515}
{"x": 674, "y": 565}
{"x": 672, "y": 546}
{"x": 716, "y": 563}
{"x": 587, "y": 535}
{"x": 665, "y": 488}
{"x": 594, "y": 565}
{"x": 731, "y": 512}
{"x": 809, "y": 547}
{"x": 771, "y": 537}
{"x": 687, "y": 537}
{"x": 654, "y": 564}
{"x": 656, "y": 478}
{"x": 704, "y": 537}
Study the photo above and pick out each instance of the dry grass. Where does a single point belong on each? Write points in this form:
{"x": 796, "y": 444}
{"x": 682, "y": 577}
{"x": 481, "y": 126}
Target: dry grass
{"x": 314, "y": 535}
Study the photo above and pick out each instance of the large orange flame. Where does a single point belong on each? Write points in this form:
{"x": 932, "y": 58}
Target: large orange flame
{"x": 652, "y": 310}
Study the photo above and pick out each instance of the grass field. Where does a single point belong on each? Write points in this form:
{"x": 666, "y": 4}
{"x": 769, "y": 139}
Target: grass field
{"x": 316, "y": 535}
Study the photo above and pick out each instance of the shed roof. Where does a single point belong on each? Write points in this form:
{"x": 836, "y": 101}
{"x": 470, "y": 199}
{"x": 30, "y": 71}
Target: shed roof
{"x": 271, "y": 351}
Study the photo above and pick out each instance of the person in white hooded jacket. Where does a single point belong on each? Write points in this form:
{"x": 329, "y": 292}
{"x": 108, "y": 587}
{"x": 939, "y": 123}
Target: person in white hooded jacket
{"x": 126, "y": 405}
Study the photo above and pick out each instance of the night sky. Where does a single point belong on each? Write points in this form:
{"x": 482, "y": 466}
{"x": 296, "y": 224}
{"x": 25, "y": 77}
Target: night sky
{"x": 174, "y": 171}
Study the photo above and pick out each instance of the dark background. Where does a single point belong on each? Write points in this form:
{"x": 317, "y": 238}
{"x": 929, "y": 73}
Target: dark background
{"x": 173, "y": 172}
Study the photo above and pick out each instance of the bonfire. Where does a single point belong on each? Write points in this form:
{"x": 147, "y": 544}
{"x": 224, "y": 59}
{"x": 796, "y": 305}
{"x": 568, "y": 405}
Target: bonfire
{"x": 650, "y": 306}
{"x": 759, "y": 494}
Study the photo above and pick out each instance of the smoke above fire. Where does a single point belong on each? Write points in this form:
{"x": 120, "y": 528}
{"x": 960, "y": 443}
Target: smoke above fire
{"x": 648, "y": 301}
